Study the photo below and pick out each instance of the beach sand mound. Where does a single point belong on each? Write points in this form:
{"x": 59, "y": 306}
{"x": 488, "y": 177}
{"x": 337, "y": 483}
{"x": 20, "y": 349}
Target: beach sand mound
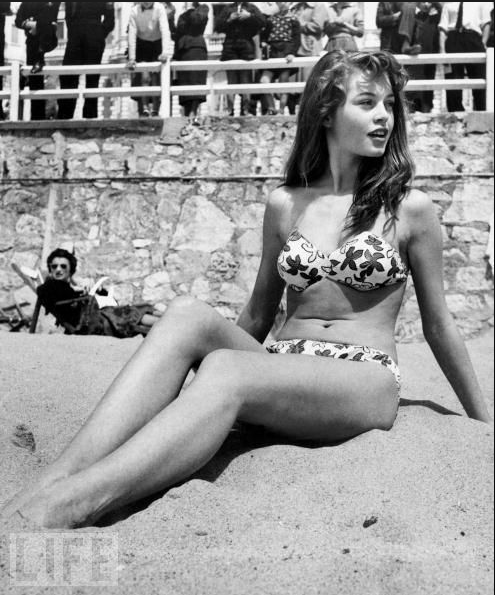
{"x": 404, "y": 512}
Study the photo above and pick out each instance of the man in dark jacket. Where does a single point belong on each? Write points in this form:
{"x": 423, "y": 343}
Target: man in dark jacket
{"x": 240, "y": 21}
{"x": 388, "y": 15}
{"x": 88, "y": 24}
{"x": 4, "y": 11}
{"x": 39, "y": 22}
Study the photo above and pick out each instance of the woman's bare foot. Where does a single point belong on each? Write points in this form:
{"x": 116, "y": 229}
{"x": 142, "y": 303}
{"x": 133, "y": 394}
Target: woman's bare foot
{"x": 29, "y": 492}
{"x": 65, "y": 504}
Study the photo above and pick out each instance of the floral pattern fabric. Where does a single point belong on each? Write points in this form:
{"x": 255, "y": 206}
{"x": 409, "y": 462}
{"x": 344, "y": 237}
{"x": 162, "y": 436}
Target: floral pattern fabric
{"x": 354, "y": 353}
{"x": 365, "y": 262}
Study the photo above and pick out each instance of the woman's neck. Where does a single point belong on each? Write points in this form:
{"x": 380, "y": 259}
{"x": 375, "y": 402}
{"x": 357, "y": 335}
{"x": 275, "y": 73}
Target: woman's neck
{"x": 343, "y": 172}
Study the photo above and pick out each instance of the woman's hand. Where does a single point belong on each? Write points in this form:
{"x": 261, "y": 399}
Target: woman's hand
{"x": 131, "y": 64}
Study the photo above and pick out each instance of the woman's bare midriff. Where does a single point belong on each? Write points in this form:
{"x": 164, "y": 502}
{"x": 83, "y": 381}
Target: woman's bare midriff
{"x": 335, "y": 313}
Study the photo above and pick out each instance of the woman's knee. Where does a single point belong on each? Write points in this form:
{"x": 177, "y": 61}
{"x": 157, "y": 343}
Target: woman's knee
{"x": 188, "y": 312}
{"x": 190, "y": 321}
{"x": 223, "y": 368}
{"x": 220, "y": 375}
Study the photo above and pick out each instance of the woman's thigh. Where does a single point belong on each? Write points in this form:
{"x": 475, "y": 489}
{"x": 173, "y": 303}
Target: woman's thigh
{"x": 305, "y": 397}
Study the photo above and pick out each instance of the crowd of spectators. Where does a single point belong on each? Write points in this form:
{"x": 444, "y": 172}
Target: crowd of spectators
{"x": 156, "y": 31}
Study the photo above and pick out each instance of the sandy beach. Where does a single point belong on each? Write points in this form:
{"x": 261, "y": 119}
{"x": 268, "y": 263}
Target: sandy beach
{"x": 404, "y": 512}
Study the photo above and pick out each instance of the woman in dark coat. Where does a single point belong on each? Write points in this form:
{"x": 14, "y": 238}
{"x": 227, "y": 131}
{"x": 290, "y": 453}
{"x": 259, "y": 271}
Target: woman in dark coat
{"x": 190, "y": 44}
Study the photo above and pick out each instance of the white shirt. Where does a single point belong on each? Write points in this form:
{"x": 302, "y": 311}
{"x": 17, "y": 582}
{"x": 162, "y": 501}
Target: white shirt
{"x": 475, "y": 16}
{"x": 149, "y": 25}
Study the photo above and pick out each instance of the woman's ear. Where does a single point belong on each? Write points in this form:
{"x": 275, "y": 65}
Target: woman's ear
{"x": 327, "y": 122}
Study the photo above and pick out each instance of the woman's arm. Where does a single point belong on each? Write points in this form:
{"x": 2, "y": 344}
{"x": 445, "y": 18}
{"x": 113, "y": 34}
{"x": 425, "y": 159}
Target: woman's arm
{"x": 425, "y": 260}
{"x": 259, "y": 314}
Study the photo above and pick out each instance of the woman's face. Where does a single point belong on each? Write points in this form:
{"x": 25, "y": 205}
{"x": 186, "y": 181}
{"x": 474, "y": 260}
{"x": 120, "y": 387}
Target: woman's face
{"x": 60, "y": 269}
{"x": 363, "y": 124}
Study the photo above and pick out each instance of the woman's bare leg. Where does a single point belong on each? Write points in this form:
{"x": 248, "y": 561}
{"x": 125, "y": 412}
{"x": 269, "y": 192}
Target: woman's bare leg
{"x": 301, "y": 396}
{"x": 187, "y": 332}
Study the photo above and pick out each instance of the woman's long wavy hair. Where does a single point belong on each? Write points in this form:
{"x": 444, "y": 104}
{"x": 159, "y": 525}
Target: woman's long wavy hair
{"x": 381, "y": 181}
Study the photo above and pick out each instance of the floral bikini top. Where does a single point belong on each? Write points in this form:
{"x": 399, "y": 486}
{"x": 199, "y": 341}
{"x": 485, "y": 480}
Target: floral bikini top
{"x": 365, "y": 262}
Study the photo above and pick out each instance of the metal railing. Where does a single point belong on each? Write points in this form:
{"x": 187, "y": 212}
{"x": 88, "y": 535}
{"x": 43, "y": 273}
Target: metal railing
{"x": 166, "y": 91}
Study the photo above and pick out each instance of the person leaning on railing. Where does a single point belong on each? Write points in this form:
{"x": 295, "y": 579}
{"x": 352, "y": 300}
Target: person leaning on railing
{"x": 465, "y": 28}
{"x": 190, "y": 44}
{"x": 345, "y": 22}
{"x": 419, "y": 33}
{"x": 312, "y": 17}
{"x": 281, "y": 37}
{"x": 39, "y": 22}
{"x": 388, "y": 16}
{"x": 4, "y": 11}
{"x": 149, "y": 40}
{"x": 88, "y": 24}
{"x": 240, "y": 21}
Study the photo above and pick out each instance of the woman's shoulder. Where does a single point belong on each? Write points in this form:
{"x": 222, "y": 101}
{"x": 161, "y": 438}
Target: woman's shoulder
{"x": 416, "y": 203}
{"x": 281, "y": 204}
{"x": 416, "y": 211}
{"x": 285, "y": 198}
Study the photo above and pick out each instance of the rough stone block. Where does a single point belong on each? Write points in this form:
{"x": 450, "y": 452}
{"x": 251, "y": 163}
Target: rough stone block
{"x": 470, "y": 235}
{"x": 250, "y": 242}
{"x": 472, "y": 201}
{"x": 83, "y": 148}
{"x": 426, "y": 166}
{"x": 479, "y": 122}
{"x": 202, "y": 226}
{"x": 473, "y": 279}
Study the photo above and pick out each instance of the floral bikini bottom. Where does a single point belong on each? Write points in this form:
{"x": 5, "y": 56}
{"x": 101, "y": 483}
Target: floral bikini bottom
{"x": 355, "y": 353}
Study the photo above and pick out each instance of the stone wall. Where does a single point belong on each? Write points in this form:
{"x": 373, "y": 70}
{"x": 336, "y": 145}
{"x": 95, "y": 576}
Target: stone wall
{"x": 178, "y": 211}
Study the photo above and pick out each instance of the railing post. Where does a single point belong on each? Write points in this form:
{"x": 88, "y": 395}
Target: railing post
{"x": 489, "y": 80}
{"x": 15, "y": 89}
{"x": 212, "y": 97}
{"x": 165, "y": 79}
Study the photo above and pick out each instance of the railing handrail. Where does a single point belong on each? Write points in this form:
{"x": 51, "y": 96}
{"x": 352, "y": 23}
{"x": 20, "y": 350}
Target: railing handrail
{"x": 166, "y": 91}
{"x": 218, "y": 65}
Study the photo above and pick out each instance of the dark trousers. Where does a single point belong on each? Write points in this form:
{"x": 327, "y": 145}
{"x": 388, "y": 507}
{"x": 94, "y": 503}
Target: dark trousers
{"x": 239, "y": 49}
{"x": 465, "y": 41}
{"x": 36, "y": 82}
{"x": 2, "y": 50}
{"x": 85, "y": 45}
{"x": 421, "y": 101}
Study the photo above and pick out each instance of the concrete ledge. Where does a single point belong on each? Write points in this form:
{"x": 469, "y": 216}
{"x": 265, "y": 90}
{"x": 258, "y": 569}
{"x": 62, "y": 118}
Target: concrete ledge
{"x": 129, "y": 125}
{"x": 479, "y": 122}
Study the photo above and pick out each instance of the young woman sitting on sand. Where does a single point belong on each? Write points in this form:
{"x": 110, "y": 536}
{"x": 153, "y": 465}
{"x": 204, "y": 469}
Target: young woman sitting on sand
{"x": 343, "y": 232}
